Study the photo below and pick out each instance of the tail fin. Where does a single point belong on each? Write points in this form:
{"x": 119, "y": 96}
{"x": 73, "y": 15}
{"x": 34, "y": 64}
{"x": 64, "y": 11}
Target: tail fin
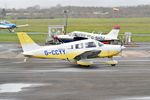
{"x": 114, "y": 32}
{"x": 26, "y": 42}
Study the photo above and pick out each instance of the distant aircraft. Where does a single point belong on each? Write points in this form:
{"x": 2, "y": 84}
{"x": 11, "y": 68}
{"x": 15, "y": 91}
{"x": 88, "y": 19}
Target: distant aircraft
{"x": 78, "y": 35}
{"x": 10, "y": 26}
{"x": 77, "y": 51}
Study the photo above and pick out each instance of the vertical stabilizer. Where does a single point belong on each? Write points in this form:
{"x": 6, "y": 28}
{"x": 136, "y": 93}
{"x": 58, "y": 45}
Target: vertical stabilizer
{"x": 26, "y": 42}
{"x": 113, "y": 34}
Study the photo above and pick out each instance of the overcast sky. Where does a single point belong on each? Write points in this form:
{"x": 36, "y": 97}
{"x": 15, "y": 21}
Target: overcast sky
{"x": 50, "y": 3}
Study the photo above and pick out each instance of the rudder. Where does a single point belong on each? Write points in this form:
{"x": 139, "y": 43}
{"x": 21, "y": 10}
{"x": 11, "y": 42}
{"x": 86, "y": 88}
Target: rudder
{"x": 114, "y": 32}
{"x": 26, "y": 42}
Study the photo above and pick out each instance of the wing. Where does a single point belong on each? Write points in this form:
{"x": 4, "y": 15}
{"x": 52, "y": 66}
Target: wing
{"x": 87, "y": 54}
{"x": 25, "y": 25}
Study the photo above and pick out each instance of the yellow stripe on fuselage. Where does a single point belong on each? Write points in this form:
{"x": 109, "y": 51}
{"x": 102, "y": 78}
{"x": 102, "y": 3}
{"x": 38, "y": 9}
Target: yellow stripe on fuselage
{"x": 72, "y": 55}
{"x": 108, "y": 53}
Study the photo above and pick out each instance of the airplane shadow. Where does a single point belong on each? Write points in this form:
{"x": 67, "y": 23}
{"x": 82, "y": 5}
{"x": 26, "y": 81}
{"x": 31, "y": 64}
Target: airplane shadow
{"x": 84, "y": 67}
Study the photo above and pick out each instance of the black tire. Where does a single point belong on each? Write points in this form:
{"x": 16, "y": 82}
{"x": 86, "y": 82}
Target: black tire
{"x": 113, "y": 64}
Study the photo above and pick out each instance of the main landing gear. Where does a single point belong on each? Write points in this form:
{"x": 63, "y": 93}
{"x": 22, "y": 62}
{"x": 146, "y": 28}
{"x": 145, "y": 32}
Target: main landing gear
{"x": 84, "y": 63}
{"x": 112, "y": 62}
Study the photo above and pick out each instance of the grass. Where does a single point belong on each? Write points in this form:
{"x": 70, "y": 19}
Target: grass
{"x": 8, "y": 38}
{"x": 134, "y": 25}
{"x": 39, "y": 38}
{"x": 141, "y": 38}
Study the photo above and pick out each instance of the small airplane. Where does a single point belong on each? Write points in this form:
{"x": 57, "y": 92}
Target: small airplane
{"x": 77, "y": 51}
{"x": 10, "y": 26}
{"x": 78, "y": 35}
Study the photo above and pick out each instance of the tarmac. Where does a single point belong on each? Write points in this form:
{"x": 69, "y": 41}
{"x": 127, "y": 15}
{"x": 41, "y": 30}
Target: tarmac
{"x": 51, "y": 79}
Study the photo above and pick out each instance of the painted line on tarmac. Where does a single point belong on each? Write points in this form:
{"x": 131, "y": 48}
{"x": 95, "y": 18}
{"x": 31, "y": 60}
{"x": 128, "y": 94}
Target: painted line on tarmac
{"x": 135, "y": 98}
{"x": 19, "y": 62}
{"x": 135, "y": 60}
{"x": 59, "y": 71}
{"x": 8, "y": 63}
{"x": 17, "y": 87}
{"x": 147, "y": 60}
{"x": 71, "y": 70}
{"x": 74, "y": 70}
{"x": 140, "y": 98}
{"x": 52, "y": 61}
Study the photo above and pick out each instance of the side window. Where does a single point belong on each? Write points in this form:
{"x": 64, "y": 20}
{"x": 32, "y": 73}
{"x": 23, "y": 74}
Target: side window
{"x": 70, "y": 47}
{"x": 79, "y": 46}
{"x": 75, "y": 34}
{"x": 90, "y": 44}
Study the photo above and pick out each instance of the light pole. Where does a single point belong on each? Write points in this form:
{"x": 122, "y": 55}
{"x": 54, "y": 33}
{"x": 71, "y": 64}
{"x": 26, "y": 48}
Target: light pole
{"x": 3, "y": 13}
{"x": 66, "y": 21}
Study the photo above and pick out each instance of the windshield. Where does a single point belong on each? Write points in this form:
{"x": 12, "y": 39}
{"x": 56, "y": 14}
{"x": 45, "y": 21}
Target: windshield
{"x": 100, "y": 44}
{"x": 4, "y": 22}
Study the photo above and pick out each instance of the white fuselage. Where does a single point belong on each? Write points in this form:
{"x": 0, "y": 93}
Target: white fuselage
{"x": 72, "y": 49}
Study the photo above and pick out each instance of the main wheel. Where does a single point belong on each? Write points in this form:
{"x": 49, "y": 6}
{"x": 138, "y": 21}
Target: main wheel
{"x": 113, "y": 64}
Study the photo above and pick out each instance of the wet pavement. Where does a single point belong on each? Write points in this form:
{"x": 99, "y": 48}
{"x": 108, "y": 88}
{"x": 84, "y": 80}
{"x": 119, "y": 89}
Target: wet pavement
{"x": 51, "y": 79}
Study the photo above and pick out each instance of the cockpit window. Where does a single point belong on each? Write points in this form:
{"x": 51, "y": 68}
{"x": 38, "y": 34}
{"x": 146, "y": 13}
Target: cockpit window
{"x": 90, "y": 44}
{"x": 100, "y": 44}
{"x": 4, "y": 22}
